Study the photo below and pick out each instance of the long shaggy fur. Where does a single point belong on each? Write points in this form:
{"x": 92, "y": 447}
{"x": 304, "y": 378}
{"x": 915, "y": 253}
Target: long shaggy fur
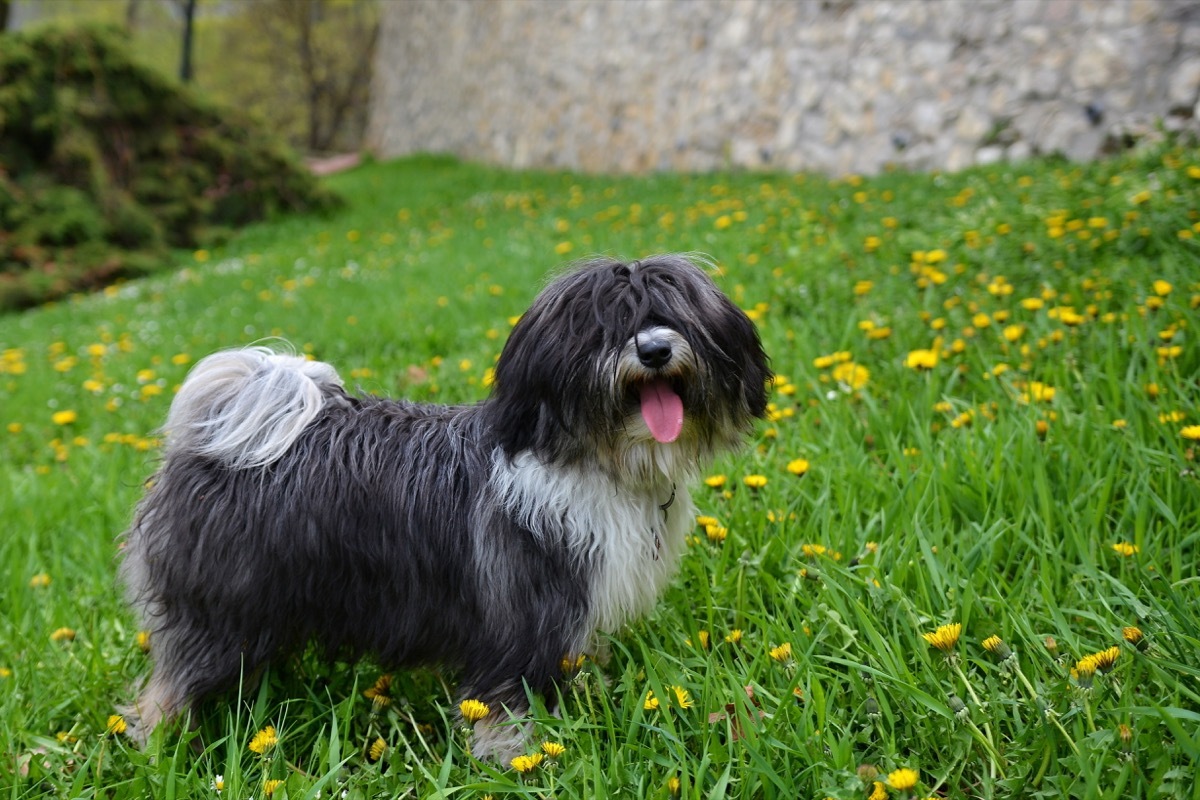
{"x": 494, "y": 539}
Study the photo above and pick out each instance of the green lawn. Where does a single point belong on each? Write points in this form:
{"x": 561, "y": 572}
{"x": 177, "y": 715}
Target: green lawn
{"x": 986, "y": 415}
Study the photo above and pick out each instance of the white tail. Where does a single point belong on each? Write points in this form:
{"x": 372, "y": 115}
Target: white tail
{"x": 246, "y": 407}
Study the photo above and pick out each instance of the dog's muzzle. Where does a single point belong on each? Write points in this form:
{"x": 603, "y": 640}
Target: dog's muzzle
{"x": 655, "y": 358}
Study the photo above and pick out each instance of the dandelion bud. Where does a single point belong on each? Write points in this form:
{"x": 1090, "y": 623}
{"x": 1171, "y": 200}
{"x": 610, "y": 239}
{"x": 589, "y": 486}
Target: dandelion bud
{"x": 1051, "y": 645}
{"x": 867, "y": 772}
{"x": 872, "y": 709}
{"x": 959, "y": 708}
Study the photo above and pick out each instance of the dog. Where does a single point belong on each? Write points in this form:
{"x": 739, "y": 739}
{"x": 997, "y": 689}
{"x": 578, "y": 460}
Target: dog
{"x": 493, "y": 539}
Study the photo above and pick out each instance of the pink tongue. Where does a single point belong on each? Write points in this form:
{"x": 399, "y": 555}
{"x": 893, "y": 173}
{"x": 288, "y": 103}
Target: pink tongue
{"x": 662, "y": 410}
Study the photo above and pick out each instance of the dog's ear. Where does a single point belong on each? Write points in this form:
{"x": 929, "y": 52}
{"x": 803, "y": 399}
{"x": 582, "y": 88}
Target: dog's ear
{"x": 528, "y": 381}
{"x": 750, "y": 368}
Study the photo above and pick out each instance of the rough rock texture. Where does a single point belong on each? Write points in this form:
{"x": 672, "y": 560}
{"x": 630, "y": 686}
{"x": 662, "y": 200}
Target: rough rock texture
{"x": 832, "y": 85}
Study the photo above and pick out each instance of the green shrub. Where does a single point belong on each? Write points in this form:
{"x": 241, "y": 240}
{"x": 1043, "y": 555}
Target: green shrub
{"x": 99, "y": 150}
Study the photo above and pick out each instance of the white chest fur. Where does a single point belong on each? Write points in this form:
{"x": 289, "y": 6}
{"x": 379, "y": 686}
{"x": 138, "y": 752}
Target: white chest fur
{"x": 632, "y": 537}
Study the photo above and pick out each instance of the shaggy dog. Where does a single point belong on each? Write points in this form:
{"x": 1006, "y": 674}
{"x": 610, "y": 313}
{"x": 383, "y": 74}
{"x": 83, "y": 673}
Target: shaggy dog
{"x": 494, "y": 539}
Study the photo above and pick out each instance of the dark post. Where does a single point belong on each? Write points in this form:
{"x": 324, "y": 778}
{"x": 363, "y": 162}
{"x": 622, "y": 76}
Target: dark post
{"x": 185, "y": 61}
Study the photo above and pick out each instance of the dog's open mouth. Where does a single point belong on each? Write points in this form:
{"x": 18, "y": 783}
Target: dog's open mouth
{"x": 662, "y": 409}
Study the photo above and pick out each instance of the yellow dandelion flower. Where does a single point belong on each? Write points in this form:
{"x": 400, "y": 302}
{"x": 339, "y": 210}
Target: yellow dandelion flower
{"x": 1162, "y": 288}
{"x": 63, "y": 635}
{"x": 378, "y": 748}
{"x": 682, "y": 698}
{"x": 903, "y": 779}
{"x": 921, "y": 359}
{"x": 116, "y": 724}
{"x": 782, "y": 653}
{"x": 716, "y": 533}
{"x": 553, "y": 749}
{"x": 527, "y": 763}
{"x": 853, "y": 375}
{"x": 996, "y": 646}
{"x": 380, "y": 693}
{"x": 879, "y": 792}
{"x": 798, "y": 466}
{"x": 264, "y": 740}
{"x": 64, "y": 417}
{"x": 142, "y": 640}
{"x": 269, "y": 786}
{"x": 755, "y": 481}
{"x": 1134, "y": 636}
{"x": 823, "y": 362}
{"x": 651, "y": 702}
{"x": 1105, "y": 660}
{"x": 715, "y": 481}
{"x": 1014, "y": 332}
{"x": 1038, "y": 391}
{"x": 734, "y": 636}
{"x": 945, "y": 637}
{"x": 674, "y": 785}
{"x": 1191, "y": 432}
{"x": 5, "y": 672}
{"x": 473, "y": 710}
{"x": 40, "y": 581}
{"x": 1125, "y": 549}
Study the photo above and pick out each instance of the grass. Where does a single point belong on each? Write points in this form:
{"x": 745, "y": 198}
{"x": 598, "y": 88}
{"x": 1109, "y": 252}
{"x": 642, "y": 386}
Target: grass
{"x": 1035, "y": 481}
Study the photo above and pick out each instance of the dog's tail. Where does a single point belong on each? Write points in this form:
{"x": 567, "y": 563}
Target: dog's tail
{"x": 246, "y": 407}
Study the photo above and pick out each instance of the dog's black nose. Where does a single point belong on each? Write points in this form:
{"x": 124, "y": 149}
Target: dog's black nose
{"x": 653, "y": 352}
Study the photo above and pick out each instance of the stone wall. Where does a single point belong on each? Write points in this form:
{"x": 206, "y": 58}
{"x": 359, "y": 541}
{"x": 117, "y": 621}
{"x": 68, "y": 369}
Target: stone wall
{"x": 831, "y": 85}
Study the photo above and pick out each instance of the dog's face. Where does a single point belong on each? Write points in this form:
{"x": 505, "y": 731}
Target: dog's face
{"x": 612, "y": 356}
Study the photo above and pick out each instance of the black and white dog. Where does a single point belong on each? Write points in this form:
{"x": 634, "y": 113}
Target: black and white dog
{"x": 495, "y": 539}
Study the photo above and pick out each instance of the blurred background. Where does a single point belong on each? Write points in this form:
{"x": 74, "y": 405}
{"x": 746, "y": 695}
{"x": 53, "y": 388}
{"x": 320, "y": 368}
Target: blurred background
{"x": 131, "y": 126}
{"x": 836, "y": 86}
{"x": 302, "y": 66}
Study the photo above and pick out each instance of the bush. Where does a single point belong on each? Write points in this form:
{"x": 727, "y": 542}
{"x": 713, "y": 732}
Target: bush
{"x": 104, "y": 161}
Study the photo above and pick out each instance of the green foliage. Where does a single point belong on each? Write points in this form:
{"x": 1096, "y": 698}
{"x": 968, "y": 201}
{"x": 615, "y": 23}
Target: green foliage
{"x": 106, "y": 163}
{"x": 1038, "y": 483}
{"x": 310, "y": 78}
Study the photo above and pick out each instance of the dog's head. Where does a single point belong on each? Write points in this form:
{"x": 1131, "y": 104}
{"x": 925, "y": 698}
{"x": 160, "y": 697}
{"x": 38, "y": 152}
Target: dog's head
{"x": 613, "y": 356}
